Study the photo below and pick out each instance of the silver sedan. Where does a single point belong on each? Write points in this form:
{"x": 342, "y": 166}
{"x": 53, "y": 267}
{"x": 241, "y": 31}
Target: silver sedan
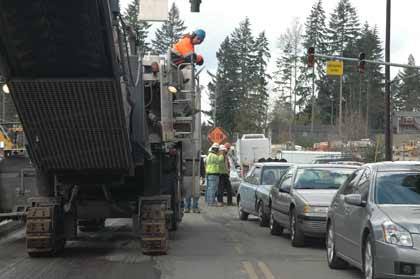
{"x": 374, "y": 221}
{"x": 300, "y": 200}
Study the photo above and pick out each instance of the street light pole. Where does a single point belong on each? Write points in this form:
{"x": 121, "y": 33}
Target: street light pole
{"x": 388, "y": 139}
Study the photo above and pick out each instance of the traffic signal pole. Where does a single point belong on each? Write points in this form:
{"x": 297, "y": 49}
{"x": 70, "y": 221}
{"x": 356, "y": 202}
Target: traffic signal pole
{"x": 334, "y": 57}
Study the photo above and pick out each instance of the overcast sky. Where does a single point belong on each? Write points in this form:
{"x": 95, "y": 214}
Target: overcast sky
{"x": 220, "y": 17}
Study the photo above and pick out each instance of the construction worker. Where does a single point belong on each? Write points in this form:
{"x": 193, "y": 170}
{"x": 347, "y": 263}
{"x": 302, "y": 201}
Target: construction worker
{"x": 184, "y": 50}
{"x": 224, "y": 184}
{"x": 214, "y": 162}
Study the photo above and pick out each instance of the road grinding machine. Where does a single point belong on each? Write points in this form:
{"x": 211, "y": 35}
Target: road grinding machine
{"x": 105, "y": 129}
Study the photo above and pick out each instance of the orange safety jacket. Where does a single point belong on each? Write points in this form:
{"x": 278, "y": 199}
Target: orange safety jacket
{"x": 183, "y": 50}
{"x": 184, "y": 47}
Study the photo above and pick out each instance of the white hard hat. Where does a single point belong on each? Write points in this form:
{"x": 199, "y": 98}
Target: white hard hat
{"x": 215, "y": 146}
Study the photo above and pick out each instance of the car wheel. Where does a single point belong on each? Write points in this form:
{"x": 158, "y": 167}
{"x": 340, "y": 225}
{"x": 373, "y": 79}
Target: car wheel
{"x": 242, "y": 215}
{"x": 368, "y": 260}
{"x": 275, "y": 228}
{"x": 296, "y": 235}
{"x": 334, "y": 262}
{"x": 264, "y": 221}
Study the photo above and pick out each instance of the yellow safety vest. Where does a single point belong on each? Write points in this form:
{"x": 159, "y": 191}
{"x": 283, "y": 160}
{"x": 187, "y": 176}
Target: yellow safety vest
{"x": 213, "y": 163}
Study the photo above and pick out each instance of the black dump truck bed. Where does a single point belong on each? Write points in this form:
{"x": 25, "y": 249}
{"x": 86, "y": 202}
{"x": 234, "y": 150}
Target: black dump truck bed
{"x": 60, "y": 63}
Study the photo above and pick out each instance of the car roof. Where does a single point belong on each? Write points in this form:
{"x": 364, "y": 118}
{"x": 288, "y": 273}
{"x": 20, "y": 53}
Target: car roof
{"x": 273, "y": 164}
{"x": 395, "y": 166}
{"x": 327, "y": 166}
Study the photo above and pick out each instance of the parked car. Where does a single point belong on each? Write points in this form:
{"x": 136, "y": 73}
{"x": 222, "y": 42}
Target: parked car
{"x": 374, "y": 221}
{"x": 300, "y": 200}
{"x": 234, "y": 175}
{"x": 253, "y": 192}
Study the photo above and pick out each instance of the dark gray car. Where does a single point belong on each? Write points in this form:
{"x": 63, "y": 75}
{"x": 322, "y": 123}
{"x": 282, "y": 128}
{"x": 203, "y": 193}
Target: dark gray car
{"x": 374, "y": 221}
{"x": 300, "y": 200}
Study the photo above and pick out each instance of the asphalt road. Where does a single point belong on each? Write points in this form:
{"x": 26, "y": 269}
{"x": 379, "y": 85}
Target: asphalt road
{"x": 213, "y": 245}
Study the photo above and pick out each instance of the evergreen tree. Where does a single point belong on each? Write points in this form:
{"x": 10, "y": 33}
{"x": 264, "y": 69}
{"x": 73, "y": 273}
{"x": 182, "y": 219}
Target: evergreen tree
{"x": 283, "y": 76}
{"x": 315, "y": 36}
{"x": 223, "y": 97}
{"x": 283, "y": 79}
{"x": 170, "y": 32}
{"x": 141, "y": 28}
{"x": 371, "y": 85}
{"x": 344, "y": 27}
{"x": 409, "y": 88}
{"x": 343, "y": 33}
{"x": 243, "y": 44}
{"x": 260, "y": 96}
{"x": 239, "y": 93}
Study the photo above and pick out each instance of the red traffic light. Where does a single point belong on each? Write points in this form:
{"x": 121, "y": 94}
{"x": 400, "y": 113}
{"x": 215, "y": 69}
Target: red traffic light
{"x": 311, "y": 57}
{"x": 362, "y": 62}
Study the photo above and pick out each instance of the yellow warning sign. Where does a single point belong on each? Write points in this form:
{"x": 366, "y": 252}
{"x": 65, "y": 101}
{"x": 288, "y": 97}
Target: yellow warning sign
{"x": 335, "y": 68}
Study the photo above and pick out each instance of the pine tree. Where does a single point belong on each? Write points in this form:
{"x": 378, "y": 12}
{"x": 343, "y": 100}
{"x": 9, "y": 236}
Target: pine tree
{"x": 283, "y": 80}
{"x": 223, "y": 97}
{"x": 315, "y": 36}
{"x": 141, "y": 28}
{"x": 243, "y": 44}
{"x": 260, "y": 95}
{"x": 371, "y": 86}
{"x": 283, "y": 76}
{"x": 344, "y": 27}
{"x": 170, "y": 32}
{"x": 343, "y": 33}
{"x": 409, "y": 89}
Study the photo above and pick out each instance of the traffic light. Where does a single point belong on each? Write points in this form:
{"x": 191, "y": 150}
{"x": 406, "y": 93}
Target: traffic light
{"x": 195, "y": 6}
{"x": 311, "y": 57}
{"x": 362, "y": 62}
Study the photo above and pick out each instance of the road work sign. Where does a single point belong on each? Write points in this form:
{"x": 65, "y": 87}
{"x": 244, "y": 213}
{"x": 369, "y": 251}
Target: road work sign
{"x": 217, "y": 135}
{"x": 335, "y": 68}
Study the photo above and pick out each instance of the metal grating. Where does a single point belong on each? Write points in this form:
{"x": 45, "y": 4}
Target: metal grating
{"x": 73, "y": 124}
{"x": 56, "y": 39}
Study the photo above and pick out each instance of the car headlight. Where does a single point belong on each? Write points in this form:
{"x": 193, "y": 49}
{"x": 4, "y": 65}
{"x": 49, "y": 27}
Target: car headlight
{"x": 397, "y": 235}
{"x": 315, "y": 209}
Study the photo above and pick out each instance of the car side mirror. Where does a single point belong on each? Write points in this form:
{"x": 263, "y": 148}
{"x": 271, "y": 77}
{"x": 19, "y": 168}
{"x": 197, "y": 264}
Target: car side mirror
{"x": 354, "y": 199}
{"x": 285, "y": 189}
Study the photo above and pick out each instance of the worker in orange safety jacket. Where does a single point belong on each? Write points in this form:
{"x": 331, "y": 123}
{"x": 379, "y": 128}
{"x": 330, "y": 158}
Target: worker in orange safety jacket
{"x": 184, "y": 52}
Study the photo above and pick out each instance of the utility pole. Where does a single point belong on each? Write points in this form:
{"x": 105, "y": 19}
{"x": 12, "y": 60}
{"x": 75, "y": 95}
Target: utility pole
{"x": 340, "y": 109}
{"x": 388, "y": 140}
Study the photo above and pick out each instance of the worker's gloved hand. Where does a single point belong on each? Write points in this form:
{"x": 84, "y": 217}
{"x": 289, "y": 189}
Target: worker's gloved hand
{"x": 200, "y": 60}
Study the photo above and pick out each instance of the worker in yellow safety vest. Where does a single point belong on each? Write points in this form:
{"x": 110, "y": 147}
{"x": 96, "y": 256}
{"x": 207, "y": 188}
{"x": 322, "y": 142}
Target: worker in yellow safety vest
{"x": 214, "y": 163}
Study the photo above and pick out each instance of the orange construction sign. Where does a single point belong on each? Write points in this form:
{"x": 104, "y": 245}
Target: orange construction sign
{"x": 217, "y": 135}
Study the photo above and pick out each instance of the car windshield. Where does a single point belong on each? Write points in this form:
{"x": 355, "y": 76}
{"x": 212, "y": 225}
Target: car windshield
{"x": 398, "y": 188}
{"x": 272, "y": 174}
{"x": 317, "y": 178}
